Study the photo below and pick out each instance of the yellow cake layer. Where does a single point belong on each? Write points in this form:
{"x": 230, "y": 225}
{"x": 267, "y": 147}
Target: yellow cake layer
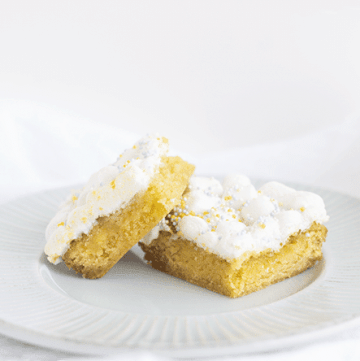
{"x": 238, "y": 277}
{"x": 95, "y": 253}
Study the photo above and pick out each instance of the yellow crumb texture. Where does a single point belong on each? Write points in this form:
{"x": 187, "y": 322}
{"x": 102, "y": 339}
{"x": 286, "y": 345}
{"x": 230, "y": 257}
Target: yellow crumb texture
{"x": 94, "y": 254}
{"x": 249, "y": 273}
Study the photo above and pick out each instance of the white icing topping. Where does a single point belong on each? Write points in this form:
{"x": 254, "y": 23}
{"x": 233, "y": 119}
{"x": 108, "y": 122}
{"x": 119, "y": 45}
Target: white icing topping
{"x": 288, "y": 222}
{"x": 241, "y": 219}
{"x": 193, "y": 227}
{"x": 276, "y": 190}
{"x": 210, "y": 186}
{"x": 154, "y": 233}
{"x": 256, "y": 208}
{"x": 108, "y": 190}
{"x": 199, "y": 201}
{"x": 235, "y": 181}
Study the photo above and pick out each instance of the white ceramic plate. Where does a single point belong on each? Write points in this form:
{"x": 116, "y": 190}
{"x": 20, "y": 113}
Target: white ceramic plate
{"x": 134, "y": 306}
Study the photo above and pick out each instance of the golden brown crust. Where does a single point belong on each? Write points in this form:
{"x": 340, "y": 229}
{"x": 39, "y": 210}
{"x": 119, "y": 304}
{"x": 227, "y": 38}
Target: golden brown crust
{"x": 95, "y": 253}
{"x": 238, "y": 277}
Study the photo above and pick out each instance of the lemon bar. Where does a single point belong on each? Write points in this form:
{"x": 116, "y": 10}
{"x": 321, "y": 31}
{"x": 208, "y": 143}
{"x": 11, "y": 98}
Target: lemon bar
{"x": 233, "y": 239}
{"x": 118, "y": 206}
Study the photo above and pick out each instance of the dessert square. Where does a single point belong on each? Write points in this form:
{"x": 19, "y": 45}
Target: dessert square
{"x": 118, "y": 206}
{"x": 233, "y": 239}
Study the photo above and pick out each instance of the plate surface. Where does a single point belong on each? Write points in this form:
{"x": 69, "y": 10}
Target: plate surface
{"x": 135, "y": 306}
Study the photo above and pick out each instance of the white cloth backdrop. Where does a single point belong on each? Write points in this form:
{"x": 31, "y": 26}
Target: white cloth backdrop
{"x": 43, "y": 148}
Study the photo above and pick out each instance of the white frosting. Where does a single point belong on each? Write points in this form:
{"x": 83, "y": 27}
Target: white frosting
{"x": 108, "y": 190}
{"x": 154, "y": 233}
{"x": 233, "y": 218}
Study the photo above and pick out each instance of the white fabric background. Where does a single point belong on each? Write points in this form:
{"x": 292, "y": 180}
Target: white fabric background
{"x": 270, "y": 89}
